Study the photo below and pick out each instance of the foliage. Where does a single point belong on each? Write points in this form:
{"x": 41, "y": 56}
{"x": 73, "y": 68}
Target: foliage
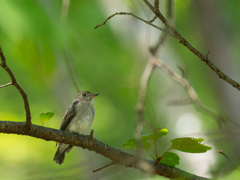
{"x": 189, "y": 145}
{"x": 186, "y": 144}
{"x": 44, "y": 117}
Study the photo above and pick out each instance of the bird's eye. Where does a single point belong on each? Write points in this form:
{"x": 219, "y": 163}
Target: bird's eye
{"x": 84, "y": 94}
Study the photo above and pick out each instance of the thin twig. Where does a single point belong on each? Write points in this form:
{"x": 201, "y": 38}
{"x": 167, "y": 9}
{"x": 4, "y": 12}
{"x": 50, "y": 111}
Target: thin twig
{"x": 160, "y": 158}
{"x": 190, "y": 90}
{"x": 206, "y": 57}
{"x": 6, "y": 85}
{"x": 153, "y": 19}
{"x": 163, "y": 37}
{"x": 71, "y": 69}
{"x": 142, "y": 98}
{"x": 24, "y": 95}
{"x": 146, "y": 75}
{"x": 143, "y": 87}
{"x": 201, "y": 108}
{"x": 193, "y": 95}
{"x": 192, "y": 49}
{"x": 125, "y": 13}
{"x": 65, "y": 8}
{"x": 141, "y": 101}
{"x": 183, "y": 70}
{"x": 221, "y": 152}
{"x": 110, "y": 164}
{"x": 161, "y": 42}
{"x": 150, "y": 155}
{"x": 180, "y": 102}
{"x": 171, "y": 9}
{"x": 91, "y": 135}
{"x": 155, "y": 147}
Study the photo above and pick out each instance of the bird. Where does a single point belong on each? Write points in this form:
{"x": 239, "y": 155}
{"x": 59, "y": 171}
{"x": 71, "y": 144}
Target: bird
{"x": 78, "y": 118}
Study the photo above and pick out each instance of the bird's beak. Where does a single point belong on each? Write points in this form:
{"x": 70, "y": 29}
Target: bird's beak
{"x": 93, "y": 95}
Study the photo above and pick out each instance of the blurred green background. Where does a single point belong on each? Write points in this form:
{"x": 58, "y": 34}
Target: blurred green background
{"x": 46, "y": 48}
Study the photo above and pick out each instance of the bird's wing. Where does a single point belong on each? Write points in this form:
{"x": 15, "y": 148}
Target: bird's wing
{"x": 68, "y": 116}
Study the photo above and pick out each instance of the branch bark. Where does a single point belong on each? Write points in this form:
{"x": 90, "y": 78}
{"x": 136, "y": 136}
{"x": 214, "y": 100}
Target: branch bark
{"x": 125, "y": 13}
{"x": 16, "y": 84}
{"x": 183, "y": 41}
{"x": 116, "y": 155}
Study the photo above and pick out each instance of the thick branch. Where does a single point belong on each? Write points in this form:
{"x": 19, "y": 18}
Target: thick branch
{"x": 191, "y": 48}
{"x": 15, "y": 83}
{"x": 117, "y": 156}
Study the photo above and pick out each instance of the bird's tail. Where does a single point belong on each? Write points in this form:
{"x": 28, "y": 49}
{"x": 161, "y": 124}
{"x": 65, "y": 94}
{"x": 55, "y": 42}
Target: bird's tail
{"x": 59, "y": 156}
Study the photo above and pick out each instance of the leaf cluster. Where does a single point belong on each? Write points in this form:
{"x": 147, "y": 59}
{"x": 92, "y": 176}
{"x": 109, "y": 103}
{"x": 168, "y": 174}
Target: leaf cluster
{"x": 185, "y": 144}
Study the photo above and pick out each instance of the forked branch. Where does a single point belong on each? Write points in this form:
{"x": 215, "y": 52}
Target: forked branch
{"x": 16, "y": 84}
{"x": 183, "y": 41}
{"x": 125, "y": 13}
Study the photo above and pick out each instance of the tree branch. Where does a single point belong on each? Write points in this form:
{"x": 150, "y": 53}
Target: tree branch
{"x": 24, "y": 95}
{"x": 5, "y": 85}
{"x": 148, "y": 71}
{"x": 191, "y": 48}
{"x": 140, "y": 104}
{"x": 117, "y": 156}
{"x": 153, "y": 19}
{"x": 125, "y": 13}
{"x": 65, "y": 8}
{"x": 221, "y": 152}
{"x": 101, "y": 168}
{"x": 190, "y": 90}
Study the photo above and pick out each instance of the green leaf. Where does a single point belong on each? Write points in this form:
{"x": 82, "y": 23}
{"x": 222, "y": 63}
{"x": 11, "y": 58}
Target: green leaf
{"x": 130, "y": 144}
{"x": 159, "y": 132}
{"x": 44, "y": 117}
{"x": 145, "y": 145}
{"x": 170, "y": 159}
{"x": 189, "y": 145}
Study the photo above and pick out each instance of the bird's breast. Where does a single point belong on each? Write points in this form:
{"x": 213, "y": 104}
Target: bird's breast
{"x": 82, "y": 119}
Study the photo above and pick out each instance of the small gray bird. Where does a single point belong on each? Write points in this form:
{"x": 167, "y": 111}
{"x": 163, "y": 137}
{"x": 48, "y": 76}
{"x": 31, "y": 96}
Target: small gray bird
{"x": 78, "y": 119}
